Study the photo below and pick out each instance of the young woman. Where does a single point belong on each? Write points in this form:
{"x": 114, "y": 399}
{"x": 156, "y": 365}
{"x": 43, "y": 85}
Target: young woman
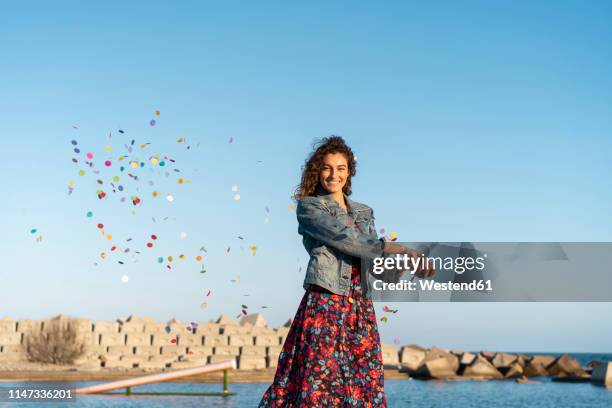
{"x": 332, "y": 355}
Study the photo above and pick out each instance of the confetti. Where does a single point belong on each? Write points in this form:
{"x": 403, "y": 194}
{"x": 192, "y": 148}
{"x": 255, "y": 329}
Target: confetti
{"x": 157, "y": 113}
{"x": 237, "y": 197}
{"x": 291, "y": 207}
{"x": 253, "y": 248}
{"x": 74, "y": 142}
{"x": 168, "y": 329}
{"x": 33, "y": 231}
{"x": 108, "y": 163}
{"x": 89, "y": 156}
{"x": 89, "y": 214}
{"x": 396, "y": 341}
{"x": 170, "y": 198}
{"x": 153, "y": 237}
{"x": 149, "y": 245}
{"x": 107, "y": 148}
{"x": 183, "y": 235}
{"x": 100, "y": 226}
{"x": 152, "y": 122}
{"x": 173, "y": 341}
{"x": 231, "y": 139}
{"x": 384, "y": 319}
{"x": 160, "y": 260}
{"x": 199, "y": 258}
{"x": 389, "y": 310}
{"x": 234, "y": 188}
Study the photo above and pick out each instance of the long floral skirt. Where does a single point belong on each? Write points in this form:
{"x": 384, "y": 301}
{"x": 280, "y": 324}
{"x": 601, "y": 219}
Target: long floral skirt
{"x": 332, "y": 355}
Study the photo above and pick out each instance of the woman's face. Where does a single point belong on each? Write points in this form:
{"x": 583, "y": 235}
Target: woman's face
{"x": 334, "y": 172}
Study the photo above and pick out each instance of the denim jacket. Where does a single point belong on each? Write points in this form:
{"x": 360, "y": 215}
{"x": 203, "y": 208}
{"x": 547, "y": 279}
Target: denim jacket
{"x": 333, "y": 238}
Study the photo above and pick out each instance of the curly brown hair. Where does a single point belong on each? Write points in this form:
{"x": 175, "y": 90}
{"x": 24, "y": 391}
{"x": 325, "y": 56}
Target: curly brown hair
{"x": 314, "y": 163}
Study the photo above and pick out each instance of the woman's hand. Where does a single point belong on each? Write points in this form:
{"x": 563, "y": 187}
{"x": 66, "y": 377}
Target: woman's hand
{"x": 425, "y": 270}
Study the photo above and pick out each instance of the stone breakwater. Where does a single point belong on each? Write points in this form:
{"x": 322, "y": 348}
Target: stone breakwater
{"x": 149, "y": 345}
{"x": 440, "y": 363}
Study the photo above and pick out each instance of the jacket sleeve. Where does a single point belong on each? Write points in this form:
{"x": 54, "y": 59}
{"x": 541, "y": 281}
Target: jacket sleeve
{"x": 316, "y": 221}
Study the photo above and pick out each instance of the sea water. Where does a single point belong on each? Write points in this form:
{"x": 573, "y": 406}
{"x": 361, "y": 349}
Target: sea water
{"x": 543, "y": 393}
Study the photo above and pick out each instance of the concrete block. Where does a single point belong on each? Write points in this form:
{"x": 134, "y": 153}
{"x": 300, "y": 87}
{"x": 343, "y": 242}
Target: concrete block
{"x": 564, "y": 364}
{"x": 274, "y": 350}
{"x": 253, "y": 351}
{"x": 153, "y": 327}
{"x": 121, "y": 350}
{"x": 215, "y": 340}
{"x": 151, "y": 365}
{"x": 390, "y": 355}
{"x": 282, "y": 331}
{"x": 147, "y": 350}
{"x": 89, "y": 338}
{"x": 138, "y": 339}
{"x": 219, "y": 358}
{"x": 240, "y": 340}
{"x": 503, "y": 360}
{"x": 266, "y": 340}
{"x": 8, "y": 325}
{"x": 271, "y": 361}
{"x": 9, "y": 339}
{"x": 189, "y": 363}
{"x": 190, "y": 340}
{"x": 106, "y": 327}
{"x": 173, "y": 351}
{"x": 26, "y": 326}
{"x": 112, "y": 339}
{"x": 228, "y": 330}
{"x": 208, "y": 328}
{"x": 251, "y": 362}
{"x": 130, "y": 327}
{"x": 95, "y": 349}
{"x": 200, "y": 351}
{"x": 482, "y": 368}
{"x": 602, "y": 374}
{"x": 119, "y": 364}
{"x": 536, "y": 369}
{"x": 162, "y": 339}
{"x": 411, "y": 358}
{"x": 227, "y": 350}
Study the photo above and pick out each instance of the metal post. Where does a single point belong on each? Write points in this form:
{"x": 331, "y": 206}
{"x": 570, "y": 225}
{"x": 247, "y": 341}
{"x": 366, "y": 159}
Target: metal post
{"x": 225, "y": 382}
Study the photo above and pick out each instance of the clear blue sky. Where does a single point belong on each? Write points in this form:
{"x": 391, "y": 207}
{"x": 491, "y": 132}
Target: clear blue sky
{"x": 472, "y": 121}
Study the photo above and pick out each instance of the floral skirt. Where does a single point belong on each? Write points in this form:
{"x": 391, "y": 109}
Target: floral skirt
{"x": 332, "y": 355}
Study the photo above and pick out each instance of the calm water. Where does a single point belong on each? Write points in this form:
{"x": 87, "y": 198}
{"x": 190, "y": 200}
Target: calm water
{"x": 400, "y": 393}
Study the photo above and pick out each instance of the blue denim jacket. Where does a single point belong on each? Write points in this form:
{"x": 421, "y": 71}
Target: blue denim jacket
{"x": 334, "y": 238}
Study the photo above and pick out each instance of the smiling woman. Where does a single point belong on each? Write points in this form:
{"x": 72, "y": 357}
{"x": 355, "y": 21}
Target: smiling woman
{"x": 332, "y": 354}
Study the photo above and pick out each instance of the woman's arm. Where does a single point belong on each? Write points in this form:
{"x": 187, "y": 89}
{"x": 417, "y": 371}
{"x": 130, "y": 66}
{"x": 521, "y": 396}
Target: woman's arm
{"x": 315, "y": 221}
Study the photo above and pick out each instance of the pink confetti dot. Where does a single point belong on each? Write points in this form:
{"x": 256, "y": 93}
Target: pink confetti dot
{"x": 90, "y": 156}
{"x": 107, "y": 163}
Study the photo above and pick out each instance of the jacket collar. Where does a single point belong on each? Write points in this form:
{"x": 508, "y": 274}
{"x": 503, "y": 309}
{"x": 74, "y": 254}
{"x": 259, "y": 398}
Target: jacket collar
{"x": 353, "y": 206}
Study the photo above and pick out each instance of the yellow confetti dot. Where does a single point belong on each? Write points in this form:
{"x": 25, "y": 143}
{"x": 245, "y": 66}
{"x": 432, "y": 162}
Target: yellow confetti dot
{"x": 121, "y": 158}
{"x": 134, "y": 164}
{"x": 181, "y": 257}
{"x": 109, "y": 237}
{"x": 187, "y": 181}
{"x": 351, "y": 301}
{"x": 393, "y": 235}
{"x": 103, "y": 255}
{"x": 383, "y": 319}
{"x": 154, "y": 160}
{"x": 81, "y": 173}
{"x": 155, "y": 194}
{"x": 170, "y": 259}
{"x": 107, "y": 148}
{"x": 142, "y": 146}
{"x": 180, "y": 139}
{"x": 71, "y": 184}
{"x": 116, "y": 179}
{"x": 291, "y": 207}
{"x": 180, "y": 181}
